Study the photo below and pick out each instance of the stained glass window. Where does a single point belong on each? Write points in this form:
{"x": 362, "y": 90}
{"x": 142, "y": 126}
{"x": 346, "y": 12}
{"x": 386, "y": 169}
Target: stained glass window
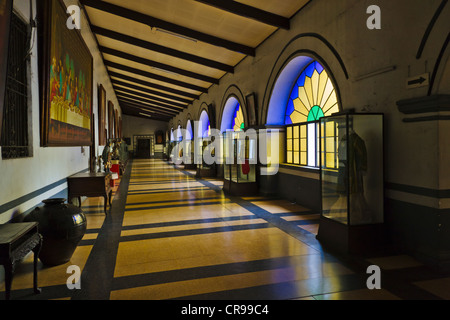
{"x": 238, "y": 120}
{"x": 312, "y": 98}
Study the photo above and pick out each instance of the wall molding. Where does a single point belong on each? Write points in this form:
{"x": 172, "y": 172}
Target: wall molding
{"x": 19, "y": 201}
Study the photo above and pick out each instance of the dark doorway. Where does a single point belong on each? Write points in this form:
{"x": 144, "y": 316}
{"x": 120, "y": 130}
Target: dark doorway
{"x": 143, "y": 149}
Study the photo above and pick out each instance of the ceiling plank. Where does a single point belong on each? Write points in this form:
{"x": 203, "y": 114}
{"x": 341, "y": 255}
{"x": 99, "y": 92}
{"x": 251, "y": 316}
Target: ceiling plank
{"x": 158, "y": 23}
{"x": 158, "y": 94}
{"x": 158, "y": 65}
{"x": 146, "y": 96}
{"x": 148, "y": 109}
{"x": 151, "y": 103}
{"x": 153, "y": 85}
{"x": 129, "y": 111}
{"x": 145, "y": 108}
{"x": 249, "y": 12}
{"x": 155, "y": 76}
{"x": 161, "y": 49}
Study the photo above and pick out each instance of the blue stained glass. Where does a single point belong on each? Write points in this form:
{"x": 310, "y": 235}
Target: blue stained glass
{"x": 288, "y": 120}
{"x": 316, "y": 112}
{"x": 310, "y": 70}
{"x": 290, "y": 107}
{"x": 301, "y": 81}
{"x": 319, "y": 67}
{"x": 294, "y": 94}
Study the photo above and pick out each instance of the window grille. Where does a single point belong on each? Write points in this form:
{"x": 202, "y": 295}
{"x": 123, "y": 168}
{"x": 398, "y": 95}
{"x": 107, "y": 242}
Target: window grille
{"x": 14, "y": 138}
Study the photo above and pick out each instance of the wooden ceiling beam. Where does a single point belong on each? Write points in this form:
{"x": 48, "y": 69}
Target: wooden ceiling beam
{"x": 158, "y": 65}
{"x": 158, "y": 94}
{"x": 247, "y": 11}
{"x": 155, "y": 76}
{"x": 143, "y": 108}
{"x": 168, "y": 26}
{"x": 147, "y": 109}
{"x": 161, "y": 49}
{"x": 148, "y": 103}
{"x": 153, "y": 85}
{"x": 146, "y": 96}
{"x": 129, "y": 111}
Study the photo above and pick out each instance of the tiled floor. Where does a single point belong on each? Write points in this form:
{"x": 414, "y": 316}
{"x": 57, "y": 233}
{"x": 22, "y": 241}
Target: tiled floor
{"x": 172, "y": 236}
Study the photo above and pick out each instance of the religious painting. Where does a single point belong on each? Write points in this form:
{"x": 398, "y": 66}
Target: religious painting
{"x": 67, "y": 80}
{"x": 160, "y": 137}
{"x": 101, "y": 115}
{"x": 110, "y": 120}
{"x": 5, "y": 20}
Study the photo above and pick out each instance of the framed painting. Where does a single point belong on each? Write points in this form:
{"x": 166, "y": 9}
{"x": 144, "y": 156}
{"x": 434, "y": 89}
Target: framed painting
{"x": 120, "y": 128}
{"x": 66, "y": 80}
{"x": 5, "y": 21}
{"x": 101, "y": 115}
{"x": 110, "y": 120}
{"x": 159, "y": 137}
{"x": 116, "y": 124}
{"x": 252, "y": 109}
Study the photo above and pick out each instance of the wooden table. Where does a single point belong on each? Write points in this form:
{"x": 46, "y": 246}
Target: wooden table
{"x": 90, "y": 185}
{"x": 16, "y": 241}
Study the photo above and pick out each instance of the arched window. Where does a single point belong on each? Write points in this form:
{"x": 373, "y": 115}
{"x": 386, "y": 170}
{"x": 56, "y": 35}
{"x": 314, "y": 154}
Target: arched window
{"x": 312, "y": 97}
{"x": 172, "y": 137}
{"x": 238, "y": 120}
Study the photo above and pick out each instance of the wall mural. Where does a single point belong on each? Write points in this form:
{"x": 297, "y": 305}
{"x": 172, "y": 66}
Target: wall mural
{"x": 68, "y": 84}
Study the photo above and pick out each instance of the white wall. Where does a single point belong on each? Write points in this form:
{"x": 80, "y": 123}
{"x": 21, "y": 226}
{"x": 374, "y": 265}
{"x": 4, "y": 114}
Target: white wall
{"x": 22, "y": 177}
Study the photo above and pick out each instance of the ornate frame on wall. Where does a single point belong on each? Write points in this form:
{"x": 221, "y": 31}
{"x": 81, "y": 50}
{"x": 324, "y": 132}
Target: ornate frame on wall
{"x": 101, "y": 115}
{"x": 66, "y": 79}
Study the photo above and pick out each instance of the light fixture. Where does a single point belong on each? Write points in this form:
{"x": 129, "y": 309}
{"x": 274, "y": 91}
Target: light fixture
{"x": 154, "y": 30}
{"x": 145, "y": 115}
{"x": 165, "y": 71}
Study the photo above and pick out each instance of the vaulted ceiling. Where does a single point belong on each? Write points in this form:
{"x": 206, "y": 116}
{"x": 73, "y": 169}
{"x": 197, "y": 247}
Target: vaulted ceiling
{"x": 162, "y": 55}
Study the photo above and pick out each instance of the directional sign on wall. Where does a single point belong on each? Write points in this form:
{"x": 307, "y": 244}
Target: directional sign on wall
{"x": 419, "y": 81}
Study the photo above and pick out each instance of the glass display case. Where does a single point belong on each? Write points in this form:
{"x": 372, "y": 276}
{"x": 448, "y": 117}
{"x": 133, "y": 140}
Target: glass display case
{"x": 189, "y": 164}
{"x": 204, "y": 169}
{"x": 352, "y": 177}
{"x": 240, "y": 159}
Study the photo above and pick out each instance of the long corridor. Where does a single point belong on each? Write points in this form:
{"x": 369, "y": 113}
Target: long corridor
{"x": 172, "y": 236}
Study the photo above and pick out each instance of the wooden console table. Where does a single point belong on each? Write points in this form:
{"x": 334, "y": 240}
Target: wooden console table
{"x": 16, "y": 241}
{"x": 90, "y": 185}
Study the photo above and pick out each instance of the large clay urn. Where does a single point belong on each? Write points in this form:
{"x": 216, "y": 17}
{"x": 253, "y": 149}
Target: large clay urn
{"x": 62, "y": 227}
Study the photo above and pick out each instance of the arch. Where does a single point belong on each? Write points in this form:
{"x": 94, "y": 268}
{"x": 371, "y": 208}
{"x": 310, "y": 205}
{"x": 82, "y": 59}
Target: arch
{"x": 172, "y": 138}
{"x": 204, "y": 125}
{"x": 178, "y": 134}
{"x": 189, "y": 128}
{"x": 233, "y": 96}
{"x": 288, "y": 76}
{"x": 315, "y": 43}
{"x": 312, "y": 97}
{"x": 233, "y": 109}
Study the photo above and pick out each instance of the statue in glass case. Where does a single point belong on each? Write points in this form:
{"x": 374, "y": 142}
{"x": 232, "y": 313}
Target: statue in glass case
{"x": 350, "y": 180}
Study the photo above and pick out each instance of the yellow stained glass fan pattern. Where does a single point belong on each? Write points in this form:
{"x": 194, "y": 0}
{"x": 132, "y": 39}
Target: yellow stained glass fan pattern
{"x": 238, "y": 122}
{"x": 313, "y": 96}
